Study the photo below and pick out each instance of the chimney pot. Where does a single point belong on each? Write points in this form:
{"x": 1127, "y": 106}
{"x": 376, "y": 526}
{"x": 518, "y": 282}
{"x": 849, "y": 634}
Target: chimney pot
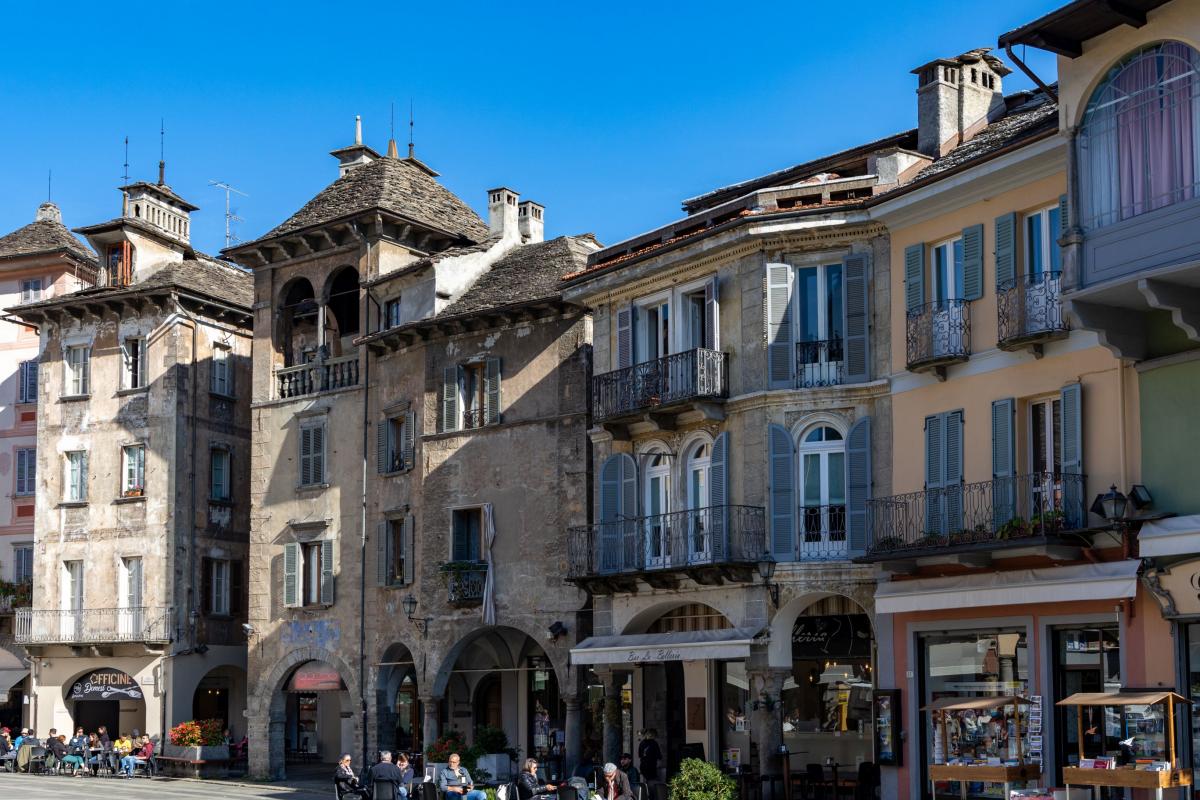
{"x": 47, "y": 211}
{"x": 531, "y": 222}
{"x": 956, "y": 98}
{"x": 502, "y": 212}
{"x": 357, "y": 129}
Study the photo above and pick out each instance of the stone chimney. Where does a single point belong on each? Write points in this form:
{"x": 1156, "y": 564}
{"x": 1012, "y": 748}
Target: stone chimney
{"x": 956, "y": 98}
{"x": 531, "y": 222}
{"x": 48, "y": 212}
{"x": 502, "y": 212}
{"x": 356, "y": 155}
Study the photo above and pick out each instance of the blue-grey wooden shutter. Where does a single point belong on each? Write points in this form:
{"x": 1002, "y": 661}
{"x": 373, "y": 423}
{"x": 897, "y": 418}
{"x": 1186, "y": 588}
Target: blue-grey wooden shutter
{"x": 305, "y": 455}
{"x": 291, "y": 573}
{"x": 914, "y": 277}
{"x": 1072, "y": 455}
{"x": 409, "y": 554}
{"x": 491, "y": 388}
{"x": 618, "y": 507}
{"x": 382, "y": 456}
{"x": 935, "y": 466}
{"x": 383, "y": 560}
{"x": 856, "y": 308}
{"x": 780, "y": 358}
{"x": 1006, "y": 250}
{"x": 718, "y": 501}
{"x": 409, "y": 434}
{"x": 972, "y": 238}
{"x": 953, "y": 471}
{"x": 318, "y": 453}
{"x": 712, "y": 315}
{"x": 625, "y": 337}
{"x": 1004, "y": 451}
{"x": 451, "y": 379}
{"x": 858, "y": 485}
{"x": 327, "y": 572}
{"x": 610, "y": 488}
{"x": 782, "y": 493}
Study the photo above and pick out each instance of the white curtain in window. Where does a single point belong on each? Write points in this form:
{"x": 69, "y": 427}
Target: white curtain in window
{"x": 489, "y": 584}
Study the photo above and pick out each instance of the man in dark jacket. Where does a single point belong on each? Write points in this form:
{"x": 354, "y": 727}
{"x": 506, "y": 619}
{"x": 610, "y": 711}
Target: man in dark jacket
{"x": 614, "y": 785}
{"x": 387, "y": 774}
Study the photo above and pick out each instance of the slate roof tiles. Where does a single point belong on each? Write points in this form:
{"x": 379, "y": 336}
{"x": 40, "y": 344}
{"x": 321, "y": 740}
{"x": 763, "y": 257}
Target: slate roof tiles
{"x": 44, "y": 236}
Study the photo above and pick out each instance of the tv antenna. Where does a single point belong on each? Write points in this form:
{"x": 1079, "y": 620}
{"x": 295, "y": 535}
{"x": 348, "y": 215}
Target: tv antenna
{"x": 230, "y": 215}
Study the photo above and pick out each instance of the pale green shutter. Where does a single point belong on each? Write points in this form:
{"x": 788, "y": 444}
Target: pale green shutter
{"x": 382, "y": 457}
{"x": 291, "y": 574}
{"x": 914, "y": 277}
{"x": 935, "y": 465}
{"x": 1004, "y": 449}
{"x": 1006, "y": 251}
{"x": 782, "y": 493}
{"x": 953, "y": 474}
{"x": 327, "y": 572}
{"x": 972, "y": 238}
{"x": 491, "y": 388}
{"x": 625, "y": 354}
{"x": 450, "y": 398}
{"x": 858, "y": 485}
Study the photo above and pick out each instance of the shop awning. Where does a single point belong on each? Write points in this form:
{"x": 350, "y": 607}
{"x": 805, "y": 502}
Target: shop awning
{"x": 1120, "y": 698}
{"x": 1173, "y": 536}
{"x": 1107, "y": 581}
{"x": 11, "y": 677}
{"x": 651, "y": 648}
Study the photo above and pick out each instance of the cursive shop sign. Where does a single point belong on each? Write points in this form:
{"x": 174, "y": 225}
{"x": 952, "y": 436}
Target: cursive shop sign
{"x": 105, "y": 684}
{"x": 650, "y": 655}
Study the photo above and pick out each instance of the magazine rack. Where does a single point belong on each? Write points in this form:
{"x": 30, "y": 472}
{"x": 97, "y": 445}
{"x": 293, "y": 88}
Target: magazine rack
{"x": 1007, "y": 774}
{"x": 1129, "y": 777}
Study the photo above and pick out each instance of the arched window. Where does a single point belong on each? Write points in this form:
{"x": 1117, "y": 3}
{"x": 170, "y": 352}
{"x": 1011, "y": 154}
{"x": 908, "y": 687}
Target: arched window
{"x": 341, "y": 318}
{"x": 298, "y": 328}
{"x": 1139, "y": 143}
{"x": 822, "y": 493}
{"x": 697, "y": 476}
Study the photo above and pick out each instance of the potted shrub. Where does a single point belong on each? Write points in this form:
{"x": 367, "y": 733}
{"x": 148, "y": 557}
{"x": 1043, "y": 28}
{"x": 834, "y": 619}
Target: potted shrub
{"x": 1015, "y": 528}
{"x": 199, "y": 740}
{"x": 496, "y": 754}
{"x": 700, "y": 780}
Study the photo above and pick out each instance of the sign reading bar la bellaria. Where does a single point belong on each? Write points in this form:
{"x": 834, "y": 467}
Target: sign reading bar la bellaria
{"x": 316, "y": 677}
{"x": 105, "y": 684}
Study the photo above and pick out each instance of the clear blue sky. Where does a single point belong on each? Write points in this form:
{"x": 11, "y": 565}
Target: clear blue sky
{"x": 608, "y": 116}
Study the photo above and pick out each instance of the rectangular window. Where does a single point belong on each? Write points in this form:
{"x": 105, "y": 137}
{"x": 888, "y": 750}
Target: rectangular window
{"x": 23, "y": 563}
{"x": 468, "y": 527}
{"x": 948, "y": 271}
{"x": 391, "y": 313}
{"x": 218, "y": 580}
{"x": 395, "y": 444}
{"x": 31, "y": 290}
{"x": 133, "y": 362}
{"x": 312, "y": 564}
{"x": 79, "y": 370}
{"x": 395, "y": 551}
{"x": 1042, "y": 253}
{"x": 130, "y": 590}
{"x": 28, "y": 390}
{"x": 133, "y": 470}
{"x": 26, "y": 471}
{"x": 474, "y": 395}
{"x": 72, "y": 589}
{"x": 76, "y": 479}
{"x": 312, "y": 453}
{"x": 654, "y": 337}
{"x": 219, "y": 462}
{"x": 222, "y": 380}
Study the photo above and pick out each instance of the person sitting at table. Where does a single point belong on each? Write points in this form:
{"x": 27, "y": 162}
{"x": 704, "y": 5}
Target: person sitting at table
{"x": 614, "y": 785}
{"x": 139, "y": 756}
{"x": 528, "y": 785}
{"x": 123, "y": 746}
{"x": 77, "y": 750}
{"x": 56, "y": 750}
{"x": 398, "y": 776}
{"x": 454, "y": 781}
{"x": 625, "y": 764}
{"x": 20, "y": 740}
{"x": 346, "y": 781}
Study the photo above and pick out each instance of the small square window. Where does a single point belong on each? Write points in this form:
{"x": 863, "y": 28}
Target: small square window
{"x": 31, "y": 290}
{"x": 391, "y": 313}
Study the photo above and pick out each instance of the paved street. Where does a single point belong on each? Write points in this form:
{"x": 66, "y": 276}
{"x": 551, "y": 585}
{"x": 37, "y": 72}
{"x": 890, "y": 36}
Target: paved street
{"x": 53, "y": 787}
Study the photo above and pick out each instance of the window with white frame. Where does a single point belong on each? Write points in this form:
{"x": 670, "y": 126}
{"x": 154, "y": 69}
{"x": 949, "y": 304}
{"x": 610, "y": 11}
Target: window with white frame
{"x": 820, "y": 317}
{"x": 1043, "y": 257}
{"x": 312, "y": 452}
{"x": 395, "y": 442}
{"x": 133, "y": 470}
{"x": 677, "y": 321}
{"x": 79, "y": 370}
{"x": 313, "y": 567}
{"x": 822, "y": 491}
{"x": 308, "y": 578}
{"x": 391, "y": 313}
{"x": 31, "y": 290}
{"x": 133, "y": 362}
{"x": 218, "y": 589}
{"x": 28, "y": 390}
{"x": 23, "y": 563}
{"x": 26, "y": 471}
{"x": 947, "y": 271}
{"x": 129, "y": 592}
{"x": 221, "y": 377}
{"x": 219, "y": 474}
{"x": 75, "y": 481}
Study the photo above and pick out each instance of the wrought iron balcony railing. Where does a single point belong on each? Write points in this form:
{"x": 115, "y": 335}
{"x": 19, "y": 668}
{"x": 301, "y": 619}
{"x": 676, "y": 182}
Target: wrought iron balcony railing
{"x": 938, "y": 333}
{"x": 819, "y": 363}
{"x": 322, "y": 375}
{"x": 713, "y": 536}
{"x": 823, "y": 533}
{"x": 92, "y": 625}
{"x": 1029, "y": 309}
{"x": 464, "y": 582}
{"x": 680, "y": 377}
{"x": 1038, "y": 504}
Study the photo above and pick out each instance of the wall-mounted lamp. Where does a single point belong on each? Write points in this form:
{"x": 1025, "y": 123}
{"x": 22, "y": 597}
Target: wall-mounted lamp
{"x": 766, "y": 571}
{"x": 1114, "y": 506}
{"x": 556, "y": 630}
{"x": 410, "y": 609}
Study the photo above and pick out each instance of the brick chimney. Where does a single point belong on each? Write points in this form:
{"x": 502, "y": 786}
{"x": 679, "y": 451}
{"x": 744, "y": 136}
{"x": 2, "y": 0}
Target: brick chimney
{"x": 502, "y": 212}
{"x": 956, "y": 98}
{"x": 531, "y": 222}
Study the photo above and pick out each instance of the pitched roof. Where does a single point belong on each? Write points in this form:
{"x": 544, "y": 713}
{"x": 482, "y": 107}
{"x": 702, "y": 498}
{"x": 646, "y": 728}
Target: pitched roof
{"x": 1064, "y": 30}
{"x": 44, "y": 236}
{"x": 392, "y": 185}
{"x": 526, "y": 273}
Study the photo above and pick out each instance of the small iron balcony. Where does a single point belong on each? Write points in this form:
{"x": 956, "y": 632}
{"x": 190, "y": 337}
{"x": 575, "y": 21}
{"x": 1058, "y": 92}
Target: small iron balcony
{"x": 670, "y": 381}
{"x": 819, "y": 363}
{"x": 938, "y": 334}
{"x": 1029, "y": 312}
{"x": 464, "y": 582}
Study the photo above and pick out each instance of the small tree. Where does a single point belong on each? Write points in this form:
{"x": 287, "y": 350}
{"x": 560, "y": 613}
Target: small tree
{"x": 699, "y": 780}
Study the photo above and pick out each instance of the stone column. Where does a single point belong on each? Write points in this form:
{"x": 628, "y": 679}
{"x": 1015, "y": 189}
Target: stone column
{"x": 612, "y": 713}
{"x": 573, "y": 733}
{"x": 275, "y": 746}
{"x": 429, "y": 724}
{"x": 766, "y": 721}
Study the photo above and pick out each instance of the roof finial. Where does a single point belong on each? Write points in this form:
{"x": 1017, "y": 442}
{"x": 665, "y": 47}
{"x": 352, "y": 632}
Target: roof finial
{"x": 162, "y": 164}
{"x": 392, "y": 151}
{"x": 49, "y": 185}
{"x": 411, "y": 149}
{"x": 126, "y": 181}
{"x": 357, "y": 129}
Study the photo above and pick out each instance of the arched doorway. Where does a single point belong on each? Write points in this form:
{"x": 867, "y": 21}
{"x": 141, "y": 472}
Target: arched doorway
{"x": 399, "y": 726}
{"x": 827, "y": 698}
{"x": 342, "y": 310}
{"x": 319, "y": 723}
{"x": 107, "y": 697}
{"x": 221, "y": 695}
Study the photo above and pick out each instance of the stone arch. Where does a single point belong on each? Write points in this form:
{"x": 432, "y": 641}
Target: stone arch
{"x": 839, "y": 422}
{"x": 340, "y": 296}
{"x": 267, "y": 695}
{"x": 296, "y": 320}
{"x": 393, "y": 667}
{"x": 1102, "y": 76}
{"x": 556, "y": 656}
{"x": 779, "y": 651}
{"x": 643, "y": 619}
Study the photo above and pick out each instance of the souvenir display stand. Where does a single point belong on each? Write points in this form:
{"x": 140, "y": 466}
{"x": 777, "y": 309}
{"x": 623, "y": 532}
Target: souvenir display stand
{"x": 1005, "y": 773}
{"x": 1149, "y": 775}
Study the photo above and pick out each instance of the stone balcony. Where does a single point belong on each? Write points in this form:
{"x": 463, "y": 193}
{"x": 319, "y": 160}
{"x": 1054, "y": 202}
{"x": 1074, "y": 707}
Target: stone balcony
{"x": 320, "y": 375}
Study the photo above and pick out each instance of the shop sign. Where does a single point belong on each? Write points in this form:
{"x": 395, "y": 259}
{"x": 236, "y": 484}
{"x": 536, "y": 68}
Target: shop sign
{"x": 833, "y": 636}
{"x": 316, "y": 678}
{"x": 652, "y": 654}
{"x": 105, "y": 684}
{"x": 1177, "y": 589}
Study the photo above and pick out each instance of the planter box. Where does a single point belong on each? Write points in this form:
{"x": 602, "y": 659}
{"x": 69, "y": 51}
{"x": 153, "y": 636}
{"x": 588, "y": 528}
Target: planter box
{"x": 194, "y": 762}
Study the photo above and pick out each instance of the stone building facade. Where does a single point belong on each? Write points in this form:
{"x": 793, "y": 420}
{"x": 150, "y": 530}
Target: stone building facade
{"x": 143, "y": 459}
{"x": 406, "y": 354}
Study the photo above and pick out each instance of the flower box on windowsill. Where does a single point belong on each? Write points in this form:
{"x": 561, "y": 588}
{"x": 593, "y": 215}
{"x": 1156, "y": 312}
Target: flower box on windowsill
{"x": 137, "y": 492}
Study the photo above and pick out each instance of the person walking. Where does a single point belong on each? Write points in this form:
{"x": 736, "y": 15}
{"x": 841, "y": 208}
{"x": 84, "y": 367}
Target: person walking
{"x": 454, "y": 779}
{"x": 649, "y": 754}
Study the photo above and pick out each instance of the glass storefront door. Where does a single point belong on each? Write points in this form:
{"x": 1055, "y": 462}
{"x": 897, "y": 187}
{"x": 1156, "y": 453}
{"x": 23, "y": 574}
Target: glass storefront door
{"x": 1086, "y": 659}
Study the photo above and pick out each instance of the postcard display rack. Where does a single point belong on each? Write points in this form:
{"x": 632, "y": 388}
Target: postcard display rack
{"x": 1145, "y": 773}
{"x": 980, "y": 740}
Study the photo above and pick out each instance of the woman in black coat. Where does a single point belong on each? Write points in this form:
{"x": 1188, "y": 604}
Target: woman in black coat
{"x": 528, "y": 786}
